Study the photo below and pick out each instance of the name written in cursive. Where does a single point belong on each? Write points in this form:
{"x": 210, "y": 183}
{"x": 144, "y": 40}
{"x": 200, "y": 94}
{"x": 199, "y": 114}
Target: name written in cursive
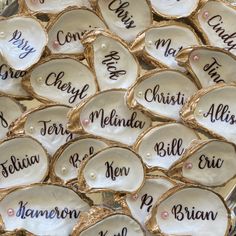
{"x": 124, "y": 232}
{"x": 211, "y": 69}
{"x": 14, "y": 164}
{"x": 114, "y": 172}
{"x": 207, "y": 162}
{"x": 185, "y": 213}
{"x": 7, "y": 72}
{"x": 174, "y": 148}
{"x": 221, "y": 113}
{"x": 55, "y": 80}
{"x": 110, "y": 62}
{"x": 168, "y": 50}
{"x": 75, "y": 159}
{"x": 50, "y": 128}
{"x": 25, "y": 212}
{"x": 153, "y": 95}
{"x": 146, "y": 201}
{"x": 21, "y": 43}
{"x": 3, "y": 120}
{"x": 217, "y": 24}
{"x": 114, "y": 120}
{"x": 118, "y": 7}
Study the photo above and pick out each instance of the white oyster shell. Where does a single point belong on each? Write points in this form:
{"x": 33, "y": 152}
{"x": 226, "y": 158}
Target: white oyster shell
{"x": 117, "y": 224}
{"x": 23, "y": 161}
{"x": 191, "y": 211}
{"x": 10, "y": 81}
{"x": 164, "y": 42}
{"x": 113, "y": 120}
{"x": 161, "y": 146}
{"x": 148, "y": 195}
{"x": 214, "y": 111}
{"x": 126, "y": 18}
{"x": 61, "y": 80}
{"x": 67, "y": 160}
{"x": 10, "y": 110}
{"x": 215, "y": 20}
{"x": 42, "y": 209}
{"x": 22, "y": 41}
{"x": 209, "y": 65}
{"x": 213, "y": 163}
{"x": 54, "y": 6}
{"x": 161, "y": 93}
{"x": 114, "y": 169}
{"x": 67, "y": 29}
{"x": 48, "y": 126}
{"x": 174, "y": 8}
{"x": 114, "y": 65}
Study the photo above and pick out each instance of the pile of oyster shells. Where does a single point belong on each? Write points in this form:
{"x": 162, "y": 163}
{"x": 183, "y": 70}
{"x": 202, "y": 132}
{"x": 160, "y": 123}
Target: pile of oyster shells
{"x": 136, "y": 122}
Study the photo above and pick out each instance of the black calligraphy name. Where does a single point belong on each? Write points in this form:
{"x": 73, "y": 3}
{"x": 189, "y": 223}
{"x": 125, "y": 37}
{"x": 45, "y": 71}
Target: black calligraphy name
{"x": 68, "y": 37}
{"x": 110, "y": 61}
{"x": 216, "y": 23}
{"x": 184, "y": 213}
{"x": 56, "y": 213}
{"x": 153, "y": 95}
{"x": 22, "y": 44}
{"x": 174, "y": 148}
{"x": 207, "y": 162}
{"x": 115, "y": 172}
{"x": 118, "y": 6}
{"x": 8, "y": 73}
{"x": 166, "y": 43}
{"x": 75, "y": 159}
{"x": 54, "y": 129}
{"x": 14, "y": 164}
{"x": 123, "y": 232}
{"x": 3, "y": 121}
{"x": 211, "y": 70}
{"x": 55, "y": 80}
{"x": 146, "y": 201}
{"x": 114, "y": 120}
{"x": 220, "y": 112}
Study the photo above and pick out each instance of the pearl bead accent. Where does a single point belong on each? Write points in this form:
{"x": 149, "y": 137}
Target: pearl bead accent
{"x": 92, "y": 176}
{"x": 205, "y": 14}
{"x": 10, "y": 212}
{"x": 188, "y": 166}
{"x": 164, "y": 215}
{"x": 85, "y": 122}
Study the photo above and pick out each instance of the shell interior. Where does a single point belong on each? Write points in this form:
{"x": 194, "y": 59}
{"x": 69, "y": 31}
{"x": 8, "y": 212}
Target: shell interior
{"x": 113, "y": 120}
{"x": 163, "y": 145}
{"x": 22, "y": 41}
{"x": 116, "y": 169}
{"x": 63, "y": 80}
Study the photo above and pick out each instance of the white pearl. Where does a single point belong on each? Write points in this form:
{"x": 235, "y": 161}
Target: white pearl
{"x": 2, "y": 34}
{"x": 31, "y": 129}
{"x": 40, "y": 80}
{"x": 150, "y": 43}
{"x": 92, "y": 176}
{"x": 63, "y": 170}
{"x": 140, "y": 94}
{"x": 148, "y": 156}
{"x": 103, "y": 46}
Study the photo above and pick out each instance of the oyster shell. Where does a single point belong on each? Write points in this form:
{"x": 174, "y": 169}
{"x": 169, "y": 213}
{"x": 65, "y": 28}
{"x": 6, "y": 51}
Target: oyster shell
{"x": 192, "y": 211}
{"x": 140, "y": 204}
{"x": 174, "y": 8}
{"x": 103, "y": 221}
{"x": 47, "y": 124}
{"x": 160, "y": 43}
{"x": 208, "y": 65}
{"x": 23, "y": 161}
{"x": 60, "y": 79}
{"x": 10, "y": 110}
{"x": 53, "y": 6}
{"x": 161, "y": 93}
{"x": 43, "y": 209}
{"x": 163, "y": 145}
{"x": 108, "y": 55}
{"x": 67, "y": 160}
{"x": 65, "y": 35}
{"x": 22, "y": 41}
{"x": 213, "y": 110}
{"x": 117, "y": 169}
{"x": 214, "y": 19}
{"x": 113, "y": 120}
{"x": 10, "y": 81}
{"x": 123, "y": 17}
{"x": 211, "y": 163}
